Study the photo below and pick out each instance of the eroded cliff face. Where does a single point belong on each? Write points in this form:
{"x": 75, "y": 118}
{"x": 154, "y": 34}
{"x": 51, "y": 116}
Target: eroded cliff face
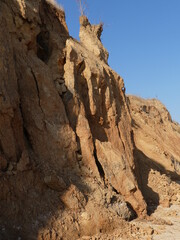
{"x": 97, "y": 111}
{"x": 36, "y": 141}
{"x": 67, "y": 149}
{"x": 65, "y": 131}
{"x": 156, "y": 135}
{"x": 157, "y": 141}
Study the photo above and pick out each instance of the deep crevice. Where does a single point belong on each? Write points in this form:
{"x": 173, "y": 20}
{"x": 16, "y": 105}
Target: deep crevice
{"x": 1, "y": 149}
{"x": 119, "y": 133}
{"x": 113, "y": 200}
{"x": 27, "y": 137}
{"x": 37, "y": 88}
{"x": 133, "y": 213}
{"x": 25, "y": 131}
{"x": 98, "y": 164}
{"x": 114, "y": 190}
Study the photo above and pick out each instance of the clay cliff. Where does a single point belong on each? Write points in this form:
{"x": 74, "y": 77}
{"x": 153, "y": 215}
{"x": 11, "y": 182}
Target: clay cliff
{"x": 156, "y": 135}
{"x": 157, "y": 141}
{"x": 70, "y": 152}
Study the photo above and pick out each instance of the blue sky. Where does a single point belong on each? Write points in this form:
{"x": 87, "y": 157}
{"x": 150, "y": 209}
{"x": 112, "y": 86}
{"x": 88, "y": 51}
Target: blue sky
{"x": 143, "y": 40}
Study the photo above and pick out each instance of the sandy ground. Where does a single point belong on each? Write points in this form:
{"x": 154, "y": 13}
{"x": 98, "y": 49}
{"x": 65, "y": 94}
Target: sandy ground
{"x": 171, "y": 215}
{"x": 163, "y": 224}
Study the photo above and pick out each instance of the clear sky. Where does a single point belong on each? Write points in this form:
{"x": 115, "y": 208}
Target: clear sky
{"x": 143, "y": 40}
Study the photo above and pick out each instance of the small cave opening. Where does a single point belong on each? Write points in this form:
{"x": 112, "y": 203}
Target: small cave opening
{"x": 43, "y": 46}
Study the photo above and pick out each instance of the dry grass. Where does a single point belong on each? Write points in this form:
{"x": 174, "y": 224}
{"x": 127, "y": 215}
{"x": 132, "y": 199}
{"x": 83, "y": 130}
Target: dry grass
{"x": 82, "y": 6}
{"x": 54, "y": 3}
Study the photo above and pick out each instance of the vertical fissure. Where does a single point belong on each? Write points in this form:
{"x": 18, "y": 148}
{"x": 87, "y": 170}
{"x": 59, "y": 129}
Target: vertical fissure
{"x": 98, "y": 164}
{"x": 37, "y": 88}
{"x": 119, "y": 133}
{"x": 25, "y": 131}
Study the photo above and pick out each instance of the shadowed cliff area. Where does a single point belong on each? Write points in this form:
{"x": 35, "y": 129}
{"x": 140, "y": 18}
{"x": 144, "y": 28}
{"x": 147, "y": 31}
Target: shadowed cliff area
{"x": 69, "y": 162}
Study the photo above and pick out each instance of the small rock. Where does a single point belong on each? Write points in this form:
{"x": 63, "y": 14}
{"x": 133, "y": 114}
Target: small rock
{"x": 150, "y": 231}
{"x": 63, "y": 87}
{"x": 174, "y": 198}
{"x": 10, "y": 167}
{"x": 85, "y": 216}
{"x": 3, "y": 163}
{"x": 165, "y": 203}
{"x": 149, "y": 238}
{"x": 18, "y": 21}
{"x": 73, "y": 198}
{"x": 58, "y": 87}
{"x": 79, "y": 157}
{"x": 24, "y": 162}
{"x": 60, "y": 80}
{"x": 86, "y": 238}
{"x": 54, "y": 182}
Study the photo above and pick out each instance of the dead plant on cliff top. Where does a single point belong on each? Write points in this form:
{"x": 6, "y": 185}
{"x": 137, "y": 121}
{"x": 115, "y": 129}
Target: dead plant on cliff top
{"x": 82, "y": 6}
